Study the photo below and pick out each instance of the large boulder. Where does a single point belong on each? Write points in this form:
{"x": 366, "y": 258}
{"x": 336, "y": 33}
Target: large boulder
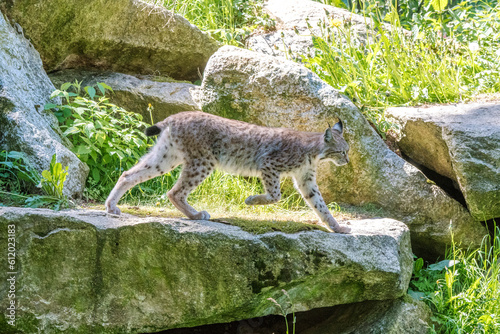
{"x": 134, "y": 93}
{"x": 89, "y": 272}
{"x": 460, "y": 142}
{"x": 24, "y": 125}
{"x": 271, "y": 91}
{"x": 129, "y": 36}
{"x": 298, "y": 20}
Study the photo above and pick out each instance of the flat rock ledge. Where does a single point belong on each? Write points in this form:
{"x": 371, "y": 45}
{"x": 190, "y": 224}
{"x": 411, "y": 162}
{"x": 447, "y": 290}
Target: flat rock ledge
{"x": 82, "y": 271}
{"x": 134, "y": 93}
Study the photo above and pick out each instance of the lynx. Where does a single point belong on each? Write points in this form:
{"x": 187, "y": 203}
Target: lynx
{"x": 202, "y": 142}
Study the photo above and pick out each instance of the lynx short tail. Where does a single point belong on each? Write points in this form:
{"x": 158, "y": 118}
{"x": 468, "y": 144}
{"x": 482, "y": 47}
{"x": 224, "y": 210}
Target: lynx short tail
{"x": 152, "y": 131}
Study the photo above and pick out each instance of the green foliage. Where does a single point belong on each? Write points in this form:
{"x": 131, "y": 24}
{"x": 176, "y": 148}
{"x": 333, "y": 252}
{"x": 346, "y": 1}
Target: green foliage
{"x": 20, "y": 183}
{"x": 16, "y": 173}
{"x": 228, "y": 21}
{"x": 464, "y": 291}
{"x": 439, "y": 5}
{"x": 106, "y": 137}
{"x": 393, "y": 68}
{"x": 52, "y": 181}
{"x": 52, "y": 185}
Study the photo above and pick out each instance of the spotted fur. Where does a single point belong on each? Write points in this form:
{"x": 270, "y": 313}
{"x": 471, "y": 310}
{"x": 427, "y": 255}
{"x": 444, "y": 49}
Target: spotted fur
{"x": 203, "y": 142}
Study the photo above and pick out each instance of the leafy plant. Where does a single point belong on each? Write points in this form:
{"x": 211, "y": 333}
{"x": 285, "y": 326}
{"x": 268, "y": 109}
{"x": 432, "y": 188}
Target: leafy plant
{"x": 106, "y": 137}
{"x": 52, "y": 181}
{"x": 16, "y": 174}
{"x": 464, "y": 290}
{"x": 52, "y": 185}
{"x": 22, "y": 185}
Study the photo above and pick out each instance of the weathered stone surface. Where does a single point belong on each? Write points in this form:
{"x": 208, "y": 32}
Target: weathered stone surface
{"x": 403, "y": 315}
{"x": 135, "y": 93}
{"x": 270, "y": 91}
{"x": 89, "y": 272}
{"x": 24, "y": 125}
{"x": 461, "y": 142}
{"x": 129, "y": 36}
{"x": 293, "y": 34}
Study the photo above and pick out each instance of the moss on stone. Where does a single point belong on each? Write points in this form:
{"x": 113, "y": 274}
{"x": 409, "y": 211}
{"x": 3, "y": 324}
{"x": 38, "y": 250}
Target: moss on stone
{"x": 251, "y": 225}
{"x": 264, "y": 226}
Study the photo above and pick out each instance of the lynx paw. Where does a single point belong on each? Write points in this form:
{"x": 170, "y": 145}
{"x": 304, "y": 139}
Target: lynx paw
{"x": 251, "y": 200}
{"x": 202, "y": 215}
{"x": 113, "y": 210}
{"x": 342, "y": 229}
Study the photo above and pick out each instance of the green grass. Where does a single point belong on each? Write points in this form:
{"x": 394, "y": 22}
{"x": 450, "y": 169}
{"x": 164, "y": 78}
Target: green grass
{"x": 464, "y": 291}
{"x": 228, "y": 21}
{"x": 395, "y": 68}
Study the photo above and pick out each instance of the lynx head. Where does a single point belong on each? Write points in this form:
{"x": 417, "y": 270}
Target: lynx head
{"x": 335, "y": 147}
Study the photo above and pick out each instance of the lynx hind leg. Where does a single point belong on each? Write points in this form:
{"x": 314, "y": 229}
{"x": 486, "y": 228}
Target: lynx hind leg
{"x": 271, "y": 183}
{"x": 193, "y": 173}
{"x": 157, "y": 162}
{"x": 308, "y": 188}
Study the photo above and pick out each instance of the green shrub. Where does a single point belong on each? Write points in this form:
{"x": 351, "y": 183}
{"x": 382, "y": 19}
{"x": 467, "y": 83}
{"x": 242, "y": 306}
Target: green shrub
{"x": 106, "y": 137}
{"x": 52, "y": 185}
{"x": 22, "y": 185}
{"x": 52, "y": 181}
{"x": 16, "y": 173}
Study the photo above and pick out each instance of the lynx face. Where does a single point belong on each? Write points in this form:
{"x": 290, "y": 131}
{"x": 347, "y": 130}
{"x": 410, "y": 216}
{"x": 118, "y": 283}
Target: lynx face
{"x": 336, "y": 147}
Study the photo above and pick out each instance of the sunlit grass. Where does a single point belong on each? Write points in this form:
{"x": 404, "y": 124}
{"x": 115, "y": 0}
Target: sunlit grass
{"x": 464, "y": 296}
{"x": 228, "y": 21}
{"x": 396, "y": 68}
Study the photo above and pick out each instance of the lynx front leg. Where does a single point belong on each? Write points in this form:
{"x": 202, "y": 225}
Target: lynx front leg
{"x": 309, "y": 190}
{"x": 193, "y": 173}
{"x": 271, "y": 183}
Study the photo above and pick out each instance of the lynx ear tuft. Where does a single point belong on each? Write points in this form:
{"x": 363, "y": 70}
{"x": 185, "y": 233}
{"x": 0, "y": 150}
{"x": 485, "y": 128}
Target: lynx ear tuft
{"x": 339, "y": 127}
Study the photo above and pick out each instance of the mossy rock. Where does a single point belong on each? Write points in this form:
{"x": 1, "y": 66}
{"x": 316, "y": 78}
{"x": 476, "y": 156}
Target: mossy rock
{"x": 85, "y": 271}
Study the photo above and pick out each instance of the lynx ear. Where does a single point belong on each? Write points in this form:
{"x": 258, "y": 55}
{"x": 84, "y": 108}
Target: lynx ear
{"x": 328, "y": 134}
{"x": 339, "y": 127}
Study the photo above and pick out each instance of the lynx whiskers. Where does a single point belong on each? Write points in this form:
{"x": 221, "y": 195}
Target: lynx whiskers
{"x": 203, "y": 142}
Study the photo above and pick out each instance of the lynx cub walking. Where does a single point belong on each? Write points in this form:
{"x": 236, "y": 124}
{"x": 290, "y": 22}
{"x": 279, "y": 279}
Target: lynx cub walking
{"x": 202, "y": 142}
